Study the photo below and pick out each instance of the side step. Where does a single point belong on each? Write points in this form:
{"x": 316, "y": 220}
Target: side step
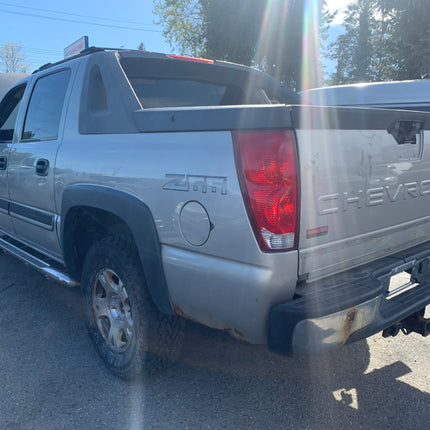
{"x": 42, "y": 266}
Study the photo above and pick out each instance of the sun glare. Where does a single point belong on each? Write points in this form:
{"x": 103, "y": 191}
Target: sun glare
{"x": 311, "y": 75}
{"x": 274, "y": 33}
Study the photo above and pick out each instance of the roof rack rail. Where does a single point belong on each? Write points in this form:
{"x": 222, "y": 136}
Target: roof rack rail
{"x": 87, "y": 51}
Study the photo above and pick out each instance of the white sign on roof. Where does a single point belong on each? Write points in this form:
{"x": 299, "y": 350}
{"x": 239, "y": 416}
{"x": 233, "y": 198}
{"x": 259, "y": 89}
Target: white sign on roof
{"x": 76, "y": 47}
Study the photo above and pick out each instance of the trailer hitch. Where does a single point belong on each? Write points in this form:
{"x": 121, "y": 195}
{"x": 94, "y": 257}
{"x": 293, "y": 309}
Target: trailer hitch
{"x": 392, "y": 330}
{"x": 415, "y": 323}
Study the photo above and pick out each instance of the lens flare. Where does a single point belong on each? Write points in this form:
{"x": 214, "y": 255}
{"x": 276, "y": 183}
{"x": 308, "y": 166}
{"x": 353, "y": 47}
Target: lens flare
{"x": 311, "y": 65}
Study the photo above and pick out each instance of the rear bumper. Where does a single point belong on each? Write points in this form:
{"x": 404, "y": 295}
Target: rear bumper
{"x": 353, "y": 305}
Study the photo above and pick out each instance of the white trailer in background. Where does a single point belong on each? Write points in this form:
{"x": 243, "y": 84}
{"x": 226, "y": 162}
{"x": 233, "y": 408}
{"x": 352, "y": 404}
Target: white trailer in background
{"x": 7, "y": 80}
{"x": 410, "y": 95}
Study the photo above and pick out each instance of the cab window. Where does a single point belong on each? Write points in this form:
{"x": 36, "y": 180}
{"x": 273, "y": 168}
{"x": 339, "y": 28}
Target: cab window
{"x": 44, "y": 111}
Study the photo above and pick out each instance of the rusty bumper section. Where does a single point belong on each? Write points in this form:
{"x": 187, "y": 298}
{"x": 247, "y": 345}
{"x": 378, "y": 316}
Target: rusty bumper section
{"x": 354, "y": 305}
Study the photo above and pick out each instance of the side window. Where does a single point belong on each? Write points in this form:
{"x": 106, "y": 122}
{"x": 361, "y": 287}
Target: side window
{"x": 42, "y": 120}
{"x": 9, "y": 111}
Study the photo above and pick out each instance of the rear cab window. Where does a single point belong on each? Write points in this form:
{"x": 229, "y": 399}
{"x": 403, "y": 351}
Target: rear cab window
{"x": 155, "y": 92}
{"x": 162, "y": 82}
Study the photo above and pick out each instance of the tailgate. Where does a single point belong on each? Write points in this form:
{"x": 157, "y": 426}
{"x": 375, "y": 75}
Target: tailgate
{"x": 365, "y": 185}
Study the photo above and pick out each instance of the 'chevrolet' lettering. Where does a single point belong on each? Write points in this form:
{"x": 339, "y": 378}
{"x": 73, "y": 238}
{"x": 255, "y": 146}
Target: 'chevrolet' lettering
{"x": 332, "y": 203}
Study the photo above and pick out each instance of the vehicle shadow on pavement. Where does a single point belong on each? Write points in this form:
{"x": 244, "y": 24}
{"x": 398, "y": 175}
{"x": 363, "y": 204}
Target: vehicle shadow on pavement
{"x": 51, "y": 377}
{"x": 249, "y": 387}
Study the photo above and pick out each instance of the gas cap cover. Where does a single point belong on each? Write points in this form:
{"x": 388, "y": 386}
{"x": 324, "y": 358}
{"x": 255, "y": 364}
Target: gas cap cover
{"x": 194, "y": 223}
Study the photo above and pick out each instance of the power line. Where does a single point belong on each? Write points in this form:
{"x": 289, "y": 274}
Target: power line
{"x": 42, "y": 55}
{"x": 74, "y": 14}
{"x": 34, "y": 61}
{"x": 77, "y": 21}
{"x": 42, "y": 50}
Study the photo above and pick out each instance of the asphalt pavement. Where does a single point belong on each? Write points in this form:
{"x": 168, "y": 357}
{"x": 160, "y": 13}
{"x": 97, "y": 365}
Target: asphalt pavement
{"x": 52, "y": 378}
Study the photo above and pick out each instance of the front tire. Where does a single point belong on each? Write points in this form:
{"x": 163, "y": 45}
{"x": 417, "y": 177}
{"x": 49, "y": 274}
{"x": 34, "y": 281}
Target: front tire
{"x": 132, "y": 337}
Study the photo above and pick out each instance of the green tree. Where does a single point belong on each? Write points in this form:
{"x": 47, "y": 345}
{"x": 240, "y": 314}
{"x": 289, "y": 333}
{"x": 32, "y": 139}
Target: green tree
{"x": 354, "y": 49}
{"x": 13, "y": 58}
{"x": 383, "y": 40}
{"x": 184, "y": 24}
{"x": 406, "y": 27}
{"x": 232, "y": 29}
{"x": 277, "y": 36}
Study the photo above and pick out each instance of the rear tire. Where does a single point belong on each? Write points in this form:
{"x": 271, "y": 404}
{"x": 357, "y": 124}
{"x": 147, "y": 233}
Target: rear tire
{"x": 132, "y": 337}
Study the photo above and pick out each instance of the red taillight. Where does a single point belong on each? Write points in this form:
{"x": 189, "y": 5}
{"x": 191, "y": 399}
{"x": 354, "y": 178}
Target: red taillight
{"x": 267, "y": 167}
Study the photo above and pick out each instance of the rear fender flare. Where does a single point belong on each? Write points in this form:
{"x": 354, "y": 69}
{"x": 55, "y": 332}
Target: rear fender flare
{"x": 137, "y": 216}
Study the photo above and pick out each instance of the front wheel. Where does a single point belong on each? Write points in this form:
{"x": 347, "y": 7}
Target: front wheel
{"x": 129, "y": 333}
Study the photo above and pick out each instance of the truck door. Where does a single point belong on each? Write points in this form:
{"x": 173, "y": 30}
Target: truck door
{"x": 32, "y": 163}
{"x": 9, "y": 108}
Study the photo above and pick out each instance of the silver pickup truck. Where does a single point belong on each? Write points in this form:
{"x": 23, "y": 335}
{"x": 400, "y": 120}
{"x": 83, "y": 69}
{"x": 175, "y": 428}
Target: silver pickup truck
{"x": 172, "y": 188}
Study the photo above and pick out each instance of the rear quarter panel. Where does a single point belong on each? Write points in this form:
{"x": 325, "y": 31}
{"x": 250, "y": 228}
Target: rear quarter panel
{"x": 225, "y": 282}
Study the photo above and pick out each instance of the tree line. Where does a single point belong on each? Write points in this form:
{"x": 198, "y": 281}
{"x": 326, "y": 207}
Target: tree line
{"x": 382, "y": 39}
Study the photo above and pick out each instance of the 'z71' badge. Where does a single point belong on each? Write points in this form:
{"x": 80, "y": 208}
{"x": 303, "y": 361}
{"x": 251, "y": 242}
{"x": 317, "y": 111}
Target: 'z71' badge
{"x": 203, "y": 184}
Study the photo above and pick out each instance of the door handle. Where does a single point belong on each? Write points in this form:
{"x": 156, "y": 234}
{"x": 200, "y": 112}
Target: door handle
{"x": 42, "y": 167}
{"x": 3, "y": 163}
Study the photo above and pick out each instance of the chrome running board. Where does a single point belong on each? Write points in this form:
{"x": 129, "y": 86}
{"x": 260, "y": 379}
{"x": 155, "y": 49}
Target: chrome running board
{"x": 42, "y": 266}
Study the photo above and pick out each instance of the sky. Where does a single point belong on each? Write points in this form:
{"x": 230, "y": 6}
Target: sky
{"x": 340, "y": 6}
{"x": 45, "y": 27}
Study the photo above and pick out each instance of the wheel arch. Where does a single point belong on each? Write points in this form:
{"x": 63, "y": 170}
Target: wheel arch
{"x": 111, "y": 211}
